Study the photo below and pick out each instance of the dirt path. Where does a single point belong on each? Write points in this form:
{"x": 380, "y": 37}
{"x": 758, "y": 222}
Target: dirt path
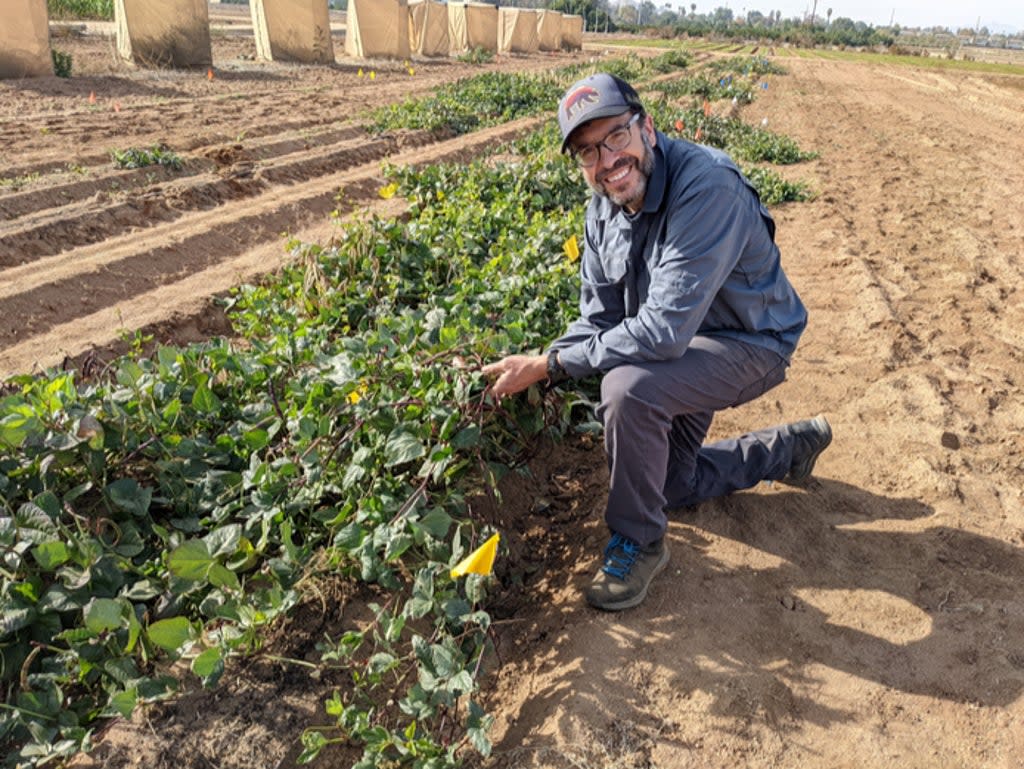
{"x": 873, "y": 619}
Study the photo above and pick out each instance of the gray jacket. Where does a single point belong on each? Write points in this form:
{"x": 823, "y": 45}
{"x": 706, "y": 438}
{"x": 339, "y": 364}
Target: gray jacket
{"x": 700, "y": 258}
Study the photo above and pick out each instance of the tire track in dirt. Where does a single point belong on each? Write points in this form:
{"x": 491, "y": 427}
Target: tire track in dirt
{"x": 921, "y": 269}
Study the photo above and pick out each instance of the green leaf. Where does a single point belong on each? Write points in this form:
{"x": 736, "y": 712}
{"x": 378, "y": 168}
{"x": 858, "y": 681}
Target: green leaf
{"x": 436, "y": 523}
{"x": 191, "y": 561}
{"x": 123, "y": 702}
{"x": 209, "y": 666}
{"x": 444, "y": 660}
{"x": 223, "y": 540}
{"x": 103, "y": 615}
{"x": 205, "y": 400}
{"x": 397, "y": 545}
{"x": 15, "y": 428}
{"x": 50, "y": 555}
{"x": 381, "y": 662}
{"x": 467, "y": 437}
{"x": 221, "y": 576}
{"x": 480, "y": 741}
{"x": 170, "y": 634}
{"x": 129, "y": 496}
{"x": 402, "y": 446}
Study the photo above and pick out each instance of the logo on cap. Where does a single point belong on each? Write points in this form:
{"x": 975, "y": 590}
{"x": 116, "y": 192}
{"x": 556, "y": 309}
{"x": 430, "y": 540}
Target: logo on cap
{"x": 579, "y": 100}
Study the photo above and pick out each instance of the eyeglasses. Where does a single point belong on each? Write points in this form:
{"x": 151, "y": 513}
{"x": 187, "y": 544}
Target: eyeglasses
{"x": 615, "y": 140}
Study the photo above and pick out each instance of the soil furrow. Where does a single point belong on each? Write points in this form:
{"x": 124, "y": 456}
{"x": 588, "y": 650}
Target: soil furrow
{"x": 56, "y": 293}
{"x": 62, "y": 229}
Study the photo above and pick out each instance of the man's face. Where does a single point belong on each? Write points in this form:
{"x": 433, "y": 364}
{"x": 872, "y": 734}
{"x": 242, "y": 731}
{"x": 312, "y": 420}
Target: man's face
{"x": 619, "y": 176}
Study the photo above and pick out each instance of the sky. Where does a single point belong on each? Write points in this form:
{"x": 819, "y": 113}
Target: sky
{"x": 998, "y": 15}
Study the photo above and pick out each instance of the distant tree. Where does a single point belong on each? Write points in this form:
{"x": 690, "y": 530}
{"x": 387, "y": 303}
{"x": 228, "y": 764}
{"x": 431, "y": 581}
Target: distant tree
{"x": 828, "y": 17}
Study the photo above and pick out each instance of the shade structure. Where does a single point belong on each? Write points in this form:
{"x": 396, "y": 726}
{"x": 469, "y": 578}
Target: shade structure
{"x": 572, "y": 32}
{"x": 24, "y": 39}
{"x": 549, "y": 30}
{"x": 428, "y": 28}
{"x": 473, "y": 25}
{"x": 292, "y": 30}
{"x": 163, "y": 33}
{"x": 377, "y": 29}
{"x": 517, "y": 30}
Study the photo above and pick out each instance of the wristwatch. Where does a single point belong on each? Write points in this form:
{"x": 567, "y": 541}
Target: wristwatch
{"x": 556, "y": 371}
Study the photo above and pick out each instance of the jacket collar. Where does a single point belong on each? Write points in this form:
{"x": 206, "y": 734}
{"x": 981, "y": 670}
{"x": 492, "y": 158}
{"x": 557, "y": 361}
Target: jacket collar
{"x": 656, "y": 184}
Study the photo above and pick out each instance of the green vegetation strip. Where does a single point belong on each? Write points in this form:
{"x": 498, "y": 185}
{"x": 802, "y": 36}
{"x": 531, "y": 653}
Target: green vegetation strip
{"x": 81, "y": 9}
{"x": 176, "y": 506}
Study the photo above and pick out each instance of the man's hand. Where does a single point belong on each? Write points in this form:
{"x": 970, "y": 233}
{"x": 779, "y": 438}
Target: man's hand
{"x": 516, "y": 372}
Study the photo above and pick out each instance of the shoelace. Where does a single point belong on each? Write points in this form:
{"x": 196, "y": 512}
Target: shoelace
{"x": 619, "y": 556}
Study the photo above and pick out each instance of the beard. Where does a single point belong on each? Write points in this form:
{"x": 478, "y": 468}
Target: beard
{"x": 632, "y": 197}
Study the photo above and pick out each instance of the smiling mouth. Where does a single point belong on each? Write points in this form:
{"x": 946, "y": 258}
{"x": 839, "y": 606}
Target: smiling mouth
{"x": 618, "y": 174}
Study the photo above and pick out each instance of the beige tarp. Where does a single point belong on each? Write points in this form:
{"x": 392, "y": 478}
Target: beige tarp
{"x": 163, "y": 33}
{"x": 473, "y": 25}
{"x": 428, "y": 28}
{"x": 572, "y": 32}
{"x": 24, "y": 39}
{"x": 377, "y": 28}
{"x": 549, "y": 30}
{"x": 292, "y": 30}
{"x": 517, "y": 30}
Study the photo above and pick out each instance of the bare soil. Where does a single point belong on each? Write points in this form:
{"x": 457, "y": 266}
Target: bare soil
{"x": 874, "y": 618}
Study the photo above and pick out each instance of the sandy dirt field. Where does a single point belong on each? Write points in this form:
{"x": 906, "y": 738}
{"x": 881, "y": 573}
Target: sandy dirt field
{"x": 873, "y": 619}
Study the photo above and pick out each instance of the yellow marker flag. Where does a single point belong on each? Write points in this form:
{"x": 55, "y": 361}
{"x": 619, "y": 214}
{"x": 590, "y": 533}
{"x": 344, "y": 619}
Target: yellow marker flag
{"x": 480, "y": 561}
{"x": 389, "y": 191}
{"x": 571, "y": 248}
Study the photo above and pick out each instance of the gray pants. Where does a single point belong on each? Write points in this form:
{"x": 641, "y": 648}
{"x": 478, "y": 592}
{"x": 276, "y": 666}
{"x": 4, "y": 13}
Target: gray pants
{"x": 656, "y": 416}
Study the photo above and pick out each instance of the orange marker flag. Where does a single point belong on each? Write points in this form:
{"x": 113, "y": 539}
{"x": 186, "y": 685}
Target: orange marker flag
{"x": 707, "y": 108}
{"x": 209, "y": 74}
{"x": 92, "y": 97}
{"x": 117, "y": 106}
{"x": 480, "y": 561}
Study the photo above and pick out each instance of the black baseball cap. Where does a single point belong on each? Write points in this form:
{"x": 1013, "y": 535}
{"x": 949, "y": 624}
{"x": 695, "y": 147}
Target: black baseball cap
{"x": 597, "y": 96}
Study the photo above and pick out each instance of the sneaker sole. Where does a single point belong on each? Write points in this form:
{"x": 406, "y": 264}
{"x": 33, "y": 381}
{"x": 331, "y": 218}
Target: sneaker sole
{"x": 638, "y": 599}
{"x": 795, "y": 478}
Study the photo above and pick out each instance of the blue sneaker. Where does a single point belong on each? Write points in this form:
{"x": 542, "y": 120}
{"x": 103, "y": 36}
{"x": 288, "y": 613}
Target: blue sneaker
{"x": 811, "y": 437}
{"x": 627, "y": 573}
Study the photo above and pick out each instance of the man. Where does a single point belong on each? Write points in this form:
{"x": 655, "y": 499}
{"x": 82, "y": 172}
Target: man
{"x": 684, "y": 311}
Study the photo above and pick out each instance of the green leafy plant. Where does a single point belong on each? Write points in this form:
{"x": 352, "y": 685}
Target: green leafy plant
{"x": 476, "y": 55}
{"x": 61, "y": 62}
{"x": 142, "y": 157}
